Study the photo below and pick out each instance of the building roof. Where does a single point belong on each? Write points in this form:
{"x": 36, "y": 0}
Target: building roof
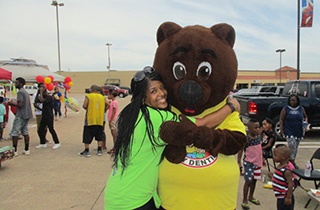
{"x": 28, "y": 69}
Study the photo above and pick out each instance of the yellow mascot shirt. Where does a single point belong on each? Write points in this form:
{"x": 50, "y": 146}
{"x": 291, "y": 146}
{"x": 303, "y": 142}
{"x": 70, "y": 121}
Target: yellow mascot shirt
{"x": 202, "y": 181}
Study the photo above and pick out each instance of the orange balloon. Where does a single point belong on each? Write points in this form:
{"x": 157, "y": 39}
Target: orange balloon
{"x": 70, "y": 84}
{"x": 47, "y": 80}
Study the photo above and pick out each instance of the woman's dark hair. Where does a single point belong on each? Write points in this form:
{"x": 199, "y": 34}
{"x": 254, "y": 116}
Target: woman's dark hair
{"x": 297, "y": 97}
{"x": 128, "y": 117}
{"x": 37, "y": 99}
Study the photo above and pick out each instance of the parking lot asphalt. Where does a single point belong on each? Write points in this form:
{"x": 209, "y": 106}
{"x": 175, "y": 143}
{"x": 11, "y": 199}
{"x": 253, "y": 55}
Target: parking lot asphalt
{"x": 60, "y": 179}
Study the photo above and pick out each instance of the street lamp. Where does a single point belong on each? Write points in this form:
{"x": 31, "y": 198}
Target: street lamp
{"x": 56, "y": 4}
{"x": 280, "y": 51}
{"x": 108, "y": 67}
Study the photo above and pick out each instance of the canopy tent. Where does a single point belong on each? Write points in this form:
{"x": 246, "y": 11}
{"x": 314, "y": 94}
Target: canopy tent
{"x": 5, "y": 74}
{"x": 30, "y": 72}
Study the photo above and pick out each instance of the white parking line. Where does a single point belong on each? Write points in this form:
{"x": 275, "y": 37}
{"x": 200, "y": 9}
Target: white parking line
{"x": 309, "y": 142}
{"x": 305, "y": 144}
{"x": 308, "y": 147}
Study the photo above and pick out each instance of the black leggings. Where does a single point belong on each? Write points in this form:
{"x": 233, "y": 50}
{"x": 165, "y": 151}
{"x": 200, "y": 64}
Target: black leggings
{"x": 47, "y": 122}
{"x": 148, "y": 206}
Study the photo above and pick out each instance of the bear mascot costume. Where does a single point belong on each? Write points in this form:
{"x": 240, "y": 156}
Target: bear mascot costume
{"x": 199, "y": 68}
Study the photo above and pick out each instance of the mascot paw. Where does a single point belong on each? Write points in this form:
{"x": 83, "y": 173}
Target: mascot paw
{"x": 204, "y": 138}
{"x": 178, "y": 133}
{"x": 175, "y": 154}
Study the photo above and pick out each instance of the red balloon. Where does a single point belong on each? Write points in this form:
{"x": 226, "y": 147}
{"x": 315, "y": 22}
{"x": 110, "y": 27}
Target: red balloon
{"x": 67, "y": 80}
{"x": 49, "y": 86}
{"x": 51, "y": 77}
{"x": 39, "y": 78}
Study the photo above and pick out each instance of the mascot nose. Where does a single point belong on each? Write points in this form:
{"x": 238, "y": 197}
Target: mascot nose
{"x": 190, "y": 92}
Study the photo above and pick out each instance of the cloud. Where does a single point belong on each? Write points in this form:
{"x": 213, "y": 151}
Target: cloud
{"x": 29, "y": 30}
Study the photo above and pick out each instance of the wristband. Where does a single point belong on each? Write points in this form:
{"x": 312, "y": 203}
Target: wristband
{"x": 231, "y": 106}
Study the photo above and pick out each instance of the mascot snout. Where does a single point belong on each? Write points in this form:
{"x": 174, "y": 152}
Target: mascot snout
{"x": 190, "y": 92}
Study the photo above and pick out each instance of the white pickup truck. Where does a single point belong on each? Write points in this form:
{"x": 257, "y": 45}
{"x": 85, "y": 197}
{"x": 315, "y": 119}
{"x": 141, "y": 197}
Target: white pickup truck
{"x": 276, "y": 90}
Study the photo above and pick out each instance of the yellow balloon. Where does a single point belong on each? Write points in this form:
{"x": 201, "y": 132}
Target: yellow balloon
{"x": 70, "y": 84}
{"x": 47, "y": 80}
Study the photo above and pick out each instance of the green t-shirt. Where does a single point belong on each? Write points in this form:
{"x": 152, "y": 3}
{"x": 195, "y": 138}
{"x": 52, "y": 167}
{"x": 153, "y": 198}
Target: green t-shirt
{"x": 138, "y": 183}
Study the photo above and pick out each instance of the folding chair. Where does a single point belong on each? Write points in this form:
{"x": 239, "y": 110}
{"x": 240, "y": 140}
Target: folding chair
{"x": 315, "y": 174}
{"x": 269, "y": 156}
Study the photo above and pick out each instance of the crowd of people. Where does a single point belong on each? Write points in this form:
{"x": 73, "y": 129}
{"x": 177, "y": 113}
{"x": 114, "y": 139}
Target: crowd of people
{"x": 137, "y": 149}
{"x": 47, "y": 109}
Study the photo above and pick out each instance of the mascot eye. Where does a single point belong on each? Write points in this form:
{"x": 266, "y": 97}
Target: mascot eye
{"x": 179, "y": 70}
{"x": 204, "y": 70}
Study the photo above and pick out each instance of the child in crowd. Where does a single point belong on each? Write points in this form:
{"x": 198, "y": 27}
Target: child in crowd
{"x": 290, "y": 166}
{"x": 113, "y": 112}
{"x": 268, "y": 138}
{"x": 2, "y": 114}
{"x": 252, "y": 163}
{"x": 104, "y": 145}
{"x": 282, "y": 179}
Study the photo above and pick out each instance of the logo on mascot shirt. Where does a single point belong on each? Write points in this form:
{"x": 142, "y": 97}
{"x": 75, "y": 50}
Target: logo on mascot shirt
{"x": 198, "y": 158}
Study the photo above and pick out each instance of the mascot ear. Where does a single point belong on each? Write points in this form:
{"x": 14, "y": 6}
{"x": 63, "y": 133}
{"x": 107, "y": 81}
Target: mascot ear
{"x": 165, "y": 30}
{"x": 225, "y": 32}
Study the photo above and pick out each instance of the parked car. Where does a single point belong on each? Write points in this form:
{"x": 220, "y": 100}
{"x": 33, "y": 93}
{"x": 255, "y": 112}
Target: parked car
{"x": 126, "y": 88}
{"x": 121, "y": 92}
{"x": 261, "y": 106}
{"x": 31, "y": 89}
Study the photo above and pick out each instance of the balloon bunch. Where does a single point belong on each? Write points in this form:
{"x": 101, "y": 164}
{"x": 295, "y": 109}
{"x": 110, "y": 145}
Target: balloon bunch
{"x": 67, "y": 83}
{"x": 48, "y": 81}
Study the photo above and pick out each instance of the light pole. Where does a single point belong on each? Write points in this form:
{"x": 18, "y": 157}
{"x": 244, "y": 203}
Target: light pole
{"x": 56, "y": 4}
{"x": 280, "y": 51}
{"x": 108, "y": 67}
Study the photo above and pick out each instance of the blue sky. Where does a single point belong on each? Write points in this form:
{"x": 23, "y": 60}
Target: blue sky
{"x": 29, "y": 30}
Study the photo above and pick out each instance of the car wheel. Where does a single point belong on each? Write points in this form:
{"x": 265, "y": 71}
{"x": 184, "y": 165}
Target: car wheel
{"x": 276, "y": 122}
{"x": 121, "y": 95}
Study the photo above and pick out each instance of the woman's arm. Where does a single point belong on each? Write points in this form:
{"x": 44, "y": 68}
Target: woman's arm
{"x": 282, "y": 116}
{"x": 213, "y": 119}
{"x": 305, "y": 117}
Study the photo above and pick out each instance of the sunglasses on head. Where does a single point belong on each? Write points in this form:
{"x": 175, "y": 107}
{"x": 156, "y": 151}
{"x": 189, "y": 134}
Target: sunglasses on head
{"x": 141, "y": 75}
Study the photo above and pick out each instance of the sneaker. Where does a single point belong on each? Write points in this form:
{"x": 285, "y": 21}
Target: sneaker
{"x": 56, "y": 146}
{"x": 99, "y": 153}
{"x": 26, "y": 152}
{"x": 40, "y": 146}
{"x": 84, "y": 154}
{"x": 16, "y": 154}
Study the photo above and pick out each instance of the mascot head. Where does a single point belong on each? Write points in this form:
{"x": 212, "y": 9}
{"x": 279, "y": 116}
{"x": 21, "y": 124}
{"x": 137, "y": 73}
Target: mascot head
{"x": 197, "y": 64}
